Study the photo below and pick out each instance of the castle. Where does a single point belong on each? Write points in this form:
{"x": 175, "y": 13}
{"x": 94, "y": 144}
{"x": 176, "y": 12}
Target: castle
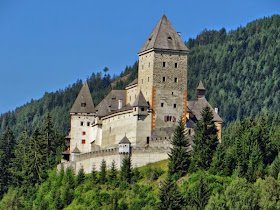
{"x": 141, "y": 119}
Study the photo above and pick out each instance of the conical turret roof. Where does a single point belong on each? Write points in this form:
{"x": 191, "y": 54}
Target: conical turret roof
{"x": 140, "y": 101}
{"x": 164, "y": 37}
{"x": 83, "y": 103}
{"x": 124, "y": 140}
{"x": 200, "y": 86}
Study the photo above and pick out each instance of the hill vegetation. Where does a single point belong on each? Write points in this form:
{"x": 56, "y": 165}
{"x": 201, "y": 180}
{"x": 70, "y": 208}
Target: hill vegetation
{"x": 240, "y": 71}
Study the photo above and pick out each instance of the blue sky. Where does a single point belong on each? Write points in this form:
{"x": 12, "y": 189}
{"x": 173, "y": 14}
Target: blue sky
{"x": 47, "y": 45}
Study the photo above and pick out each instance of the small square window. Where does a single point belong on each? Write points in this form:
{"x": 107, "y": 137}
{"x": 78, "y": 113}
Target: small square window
{"x": 82, "y": 123}
{"x": 174, "y": 105}
{"x": 84, "y": 133}
{"x": 88, "y": 123}
{"x": 176, "y": 65}
{"x": 172, "y": 93}
{"x": 142, "y": 109}
{"x": 161, "y": 104}
{"x": 83, "y": 141}
{"x": 175, "y": 80}
{"x": 163, "y": 64}
{"x": 83, "y": 104}
{"x": 163, "y": 79}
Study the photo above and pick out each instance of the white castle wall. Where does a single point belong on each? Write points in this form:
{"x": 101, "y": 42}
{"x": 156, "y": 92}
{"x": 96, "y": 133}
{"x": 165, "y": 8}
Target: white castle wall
{"x": 77, "y": 130}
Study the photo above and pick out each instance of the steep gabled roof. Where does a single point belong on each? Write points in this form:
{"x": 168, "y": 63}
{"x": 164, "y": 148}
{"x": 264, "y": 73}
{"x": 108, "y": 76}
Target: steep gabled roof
{"x": 197, "y": 106}
{"x": 124, "y": 141}
{"x": 140, "y": 101}
{"x": 110, "y": 103}
{"x": 164, "y": 37}
{"x": 83, "y": 103}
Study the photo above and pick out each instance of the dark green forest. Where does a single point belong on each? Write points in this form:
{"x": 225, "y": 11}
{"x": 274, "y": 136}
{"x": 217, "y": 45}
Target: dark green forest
{"x": 240, "y": 70}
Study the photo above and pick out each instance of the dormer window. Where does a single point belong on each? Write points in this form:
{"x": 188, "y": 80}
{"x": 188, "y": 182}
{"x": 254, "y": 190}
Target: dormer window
{"x": 83, "y": 104}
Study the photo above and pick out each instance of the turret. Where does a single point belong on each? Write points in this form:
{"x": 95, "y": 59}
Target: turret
{"x": 140, "y": 105}
{"x": 75, "y": 153}
{"x": 200, "y": 91}
{"x": 124, "y": 146}
{"x": 82, "y": 117}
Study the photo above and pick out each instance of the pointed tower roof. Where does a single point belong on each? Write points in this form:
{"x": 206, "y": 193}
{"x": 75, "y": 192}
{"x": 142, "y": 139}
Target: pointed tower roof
{"x": 200, "y": 86}
{"x": 76, "y": 150}
{"x": 83, "y": 103}
{"x": 140, "y": 100}
{"x": 164, "y": 37}
{"x": 124, "y": 140}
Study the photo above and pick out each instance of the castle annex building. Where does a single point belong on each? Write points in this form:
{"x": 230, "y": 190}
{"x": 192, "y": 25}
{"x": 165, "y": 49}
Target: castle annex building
{"x": 141, "y": 119}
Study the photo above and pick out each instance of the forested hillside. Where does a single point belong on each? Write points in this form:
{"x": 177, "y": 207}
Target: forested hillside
{"x": 240, "y": 70}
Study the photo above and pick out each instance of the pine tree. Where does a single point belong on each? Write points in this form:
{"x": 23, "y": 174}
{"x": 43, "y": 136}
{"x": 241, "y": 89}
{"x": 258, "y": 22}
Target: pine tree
{"x": 126, "y": 173}
{"x": 81, "y": 176}
{"x": 169, "y": 195}
{"x": 200, "y": 194}
{"x": 102, "y": 175}
{"x": 113, "y": 172}
{"x": 179, "y": 156}
{"x": 7, "y": 145}
{"x": 37, "y": 160}
{"x": 205, "y": 141}
{"x": 93, "y": 175}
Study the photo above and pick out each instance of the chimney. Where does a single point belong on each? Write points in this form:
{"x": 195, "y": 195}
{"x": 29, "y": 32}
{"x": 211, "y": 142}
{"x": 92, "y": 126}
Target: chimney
{"x": 216, "y": 110}
{"x": 120, "y": 104}
{"x": 179, "y": 33}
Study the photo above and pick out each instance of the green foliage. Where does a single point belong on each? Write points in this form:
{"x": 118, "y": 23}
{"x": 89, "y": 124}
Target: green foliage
{"x": 126, "y": 172}
{"x": 7, "y": 145}
{"x": 94, "y": 175}
{"x": 81, "y": 176}
{"x": 103, "y": 172}
{"x": 113, "y": 172}
{"x": 247, "y": 149}
{"x": 169, "y": 195}
{"x": 179, "y": 156}
{"x": 239, "y": 69}
{"x": 205, "y": 141}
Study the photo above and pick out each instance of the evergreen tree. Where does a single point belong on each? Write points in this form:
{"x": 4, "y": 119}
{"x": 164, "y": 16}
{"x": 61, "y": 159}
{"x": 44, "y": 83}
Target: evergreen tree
{"x": 81, "y": 176}
{"x": 113, "y": 172}
{"x": 37, "y": 160}
{"x": 200, "y": 194}
{"x": 93, "y": 175}
{"x": 179, "y": 156}
{"x": 169, "y": 195}
{"x": 126, "y": 173}
{"x": 19, "y": 168}
{"x": 205, "y": 141}
{"x": 7, "y": 145}
{"x": 102, "y": 174}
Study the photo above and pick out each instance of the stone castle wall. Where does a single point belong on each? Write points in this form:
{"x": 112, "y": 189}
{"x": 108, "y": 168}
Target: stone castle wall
{"x": 139, "y": 157}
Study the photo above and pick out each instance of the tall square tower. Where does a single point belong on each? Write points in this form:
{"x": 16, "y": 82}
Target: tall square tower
{"x": 162, "y": 77}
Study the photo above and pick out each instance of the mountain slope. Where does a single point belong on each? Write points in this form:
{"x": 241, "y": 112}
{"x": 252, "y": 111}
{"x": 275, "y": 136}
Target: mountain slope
{"x": 240, "y": 70}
